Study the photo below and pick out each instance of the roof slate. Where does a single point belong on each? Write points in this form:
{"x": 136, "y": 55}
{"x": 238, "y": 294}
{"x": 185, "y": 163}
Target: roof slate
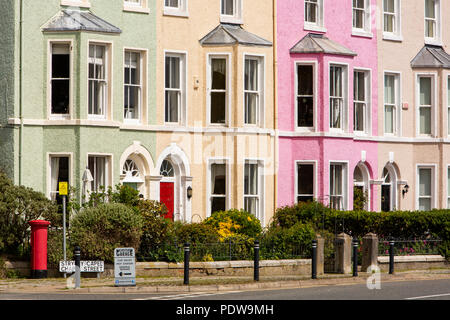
{"x": 431, "y": 57}
{"x": 230, "y": 34}
{"x": 318, "y": 43}
{"x": 76, "y": 20}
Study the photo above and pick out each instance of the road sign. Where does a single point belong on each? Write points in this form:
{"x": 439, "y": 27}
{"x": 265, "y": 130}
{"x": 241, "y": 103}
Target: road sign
{"x": 63, "y": 188}
{"x": 124, "y": 267}
{"x": 85, "y": 266}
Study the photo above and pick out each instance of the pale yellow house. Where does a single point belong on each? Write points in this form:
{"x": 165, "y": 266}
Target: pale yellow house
{"x": 215, "y": 108}
{"x": 414, "y": 84}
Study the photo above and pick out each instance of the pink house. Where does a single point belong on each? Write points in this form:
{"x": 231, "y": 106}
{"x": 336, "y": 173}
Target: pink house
{"x": 327, "y": 101}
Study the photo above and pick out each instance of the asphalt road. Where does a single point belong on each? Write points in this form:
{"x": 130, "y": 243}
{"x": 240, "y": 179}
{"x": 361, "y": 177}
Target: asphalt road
{"x": 399, "y": 290}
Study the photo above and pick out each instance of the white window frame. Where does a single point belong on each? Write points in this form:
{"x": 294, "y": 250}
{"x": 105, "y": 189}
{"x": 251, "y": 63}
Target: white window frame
{"x": 433, "y": 186}
{"x": 434, "y": 103}
{"x": 108, "y": 167}
{"x": 260, "y": 92}
{"x": 397, "y": 105}
{"x": 210, "y": 162}
{"x": 368, "y": 99}
{"x": 141, "y": 7}
{"x": 260, "y": 186}
{"x": 345, "y": 98}
{"x": 319, "y": 25}
{"x": 345, "y": 193}
{"x": 76, "y": 3}
{"x": 108, "y": 78}
{"x": 314, "y": 64}
{"x": 396, "y": 35}
{"x": 182, "y": 108}
{"x": 447, "y": 95}
{"x": 142, "y": 85}
{"x": 315, "y": 179}
{"x": 236, "y": 17}
{"x": 436, "y": 40}
{"x": 56, "y": 116}
{"x": 228, "y": 92}
{"x": 180, "y": 11}
{"x": 366, "y": 30}
{"x": 365, "y": 184}
{"x": 49, "y": 169}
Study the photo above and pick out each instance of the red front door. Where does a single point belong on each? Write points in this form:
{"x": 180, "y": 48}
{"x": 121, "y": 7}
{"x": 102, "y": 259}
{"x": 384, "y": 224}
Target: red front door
{"x": 166, "y": 195}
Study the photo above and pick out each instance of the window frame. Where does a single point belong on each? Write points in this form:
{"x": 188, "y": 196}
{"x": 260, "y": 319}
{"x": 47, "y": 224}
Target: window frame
{"x": 260, "y": 214}
{"x": 142, "y": 76}
{"x": 260, "y": 114}
{"x": 182, "y": 108}
{"x": 437, "y": 39}
{"x": 142, "y": 7}
{"x": 433, "y": 185}
{"x": 344, "y": 186}
{"x": 344, "y": 123}
{"x": 397, "y": 105}
{"x": 297, "y": 163}
{"x": 51, "y": 155}
{"x": 320, "y": 24}
{"x": 108, "y": 167}
{"x": 180, "y": 11}
{"x": 366, "y": 30}
{"x": 76, "y": 3}
{"x": 228, "y": 90}
{"x": 227, "y": 196}
{"x": 396, "y": 35}
{"x": 314, "y": 64}
{"x": 236, "y": 17}
{"x": 108, "y": 77}
{"x": 434, "y": 103}
{"x": 57, "y": 116}
{"x": 368, "y": 100}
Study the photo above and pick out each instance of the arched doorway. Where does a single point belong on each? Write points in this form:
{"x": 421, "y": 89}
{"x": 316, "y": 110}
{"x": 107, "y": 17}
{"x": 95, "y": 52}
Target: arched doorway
{"x": 389, "y": 188}
{"x": 174, "y": 170}
{"x": 361, "y": 187}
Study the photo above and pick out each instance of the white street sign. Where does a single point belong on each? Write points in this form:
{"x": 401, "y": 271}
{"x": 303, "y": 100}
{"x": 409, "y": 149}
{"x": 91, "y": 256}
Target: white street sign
{"x": 124, "y": 267}
{"x": 85, "y": 266}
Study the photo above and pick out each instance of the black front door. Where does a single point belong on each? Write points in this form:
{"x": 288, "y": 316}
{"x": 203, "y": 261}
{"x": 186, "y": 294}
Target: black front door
{"x": 385, "y": 198}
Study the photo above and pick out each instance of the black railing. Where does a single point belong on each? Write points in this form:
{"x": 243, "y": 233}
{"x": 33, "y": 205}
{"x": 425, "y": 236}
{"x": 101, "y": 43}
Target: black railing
{"x": 409, "y": 247}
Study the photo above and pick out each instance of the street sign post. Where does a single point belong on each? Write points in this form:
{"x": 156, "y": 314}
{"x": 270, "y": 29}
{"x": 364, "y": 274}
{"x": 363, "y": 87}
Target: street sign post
{"x": 124, "y": 267}
{"x": 63, "y": 192}
{"x": 85, "y": 266}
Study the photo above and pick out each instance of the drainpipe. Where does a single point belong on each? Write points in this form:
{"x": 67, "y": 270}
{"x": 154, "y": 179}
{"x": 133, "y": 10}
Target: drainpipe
{"x": 20, "y": 93}
{"x": 275, "y": 104}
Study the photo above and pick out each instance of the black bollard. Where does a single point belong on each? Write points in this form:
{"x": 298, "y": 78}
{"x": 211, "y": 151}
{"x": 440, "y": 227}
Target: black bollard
{"x": 77, "y": 258}
{"x": 314, "y": 260}
{"x": 391, "y": 257}
{"x": 355, "y": 257}
{"x": 186, "y": 263}
{"x": 256, "y": 261}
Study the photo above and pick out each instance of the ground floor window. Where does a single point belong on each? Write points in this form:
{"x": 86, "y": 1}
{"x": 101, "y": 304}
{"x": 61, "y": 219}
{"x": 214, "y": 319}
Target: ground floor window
{"x": 337, "y": 186}
{"x": 59, "y": 172}
{"x": 305, "y": 182}
{"x": 218, "y": 187}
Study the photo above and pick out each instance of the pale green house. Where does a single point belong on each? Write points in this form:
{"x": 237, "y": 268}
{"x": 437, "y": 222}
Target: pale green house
{"x": 77, "y": 83}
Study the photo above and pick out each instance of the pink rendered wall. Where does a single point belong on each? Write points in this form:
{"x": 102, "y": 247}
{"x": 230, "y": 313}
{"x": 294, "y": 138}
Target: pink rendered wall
{"x": 338, "y": 22}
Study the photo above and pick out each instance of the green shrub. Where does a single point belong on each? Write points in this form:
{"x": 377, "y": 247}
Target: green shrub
{"x": 230, "y": 222}
{"x": 99, "y": 230}
{"x": 196, "y": 233}
{"x": 18, "y": 206}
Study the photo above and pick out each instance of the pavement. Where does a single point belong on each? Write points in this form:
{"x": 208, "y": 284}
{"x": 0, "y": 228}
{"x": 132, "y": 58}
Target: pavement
{"x": 209, "y": 283}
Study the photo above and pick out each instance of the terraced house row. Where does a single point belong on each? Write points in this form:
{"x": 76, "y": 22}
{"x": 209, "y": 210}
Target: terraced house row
{"x": 250, "y": 104}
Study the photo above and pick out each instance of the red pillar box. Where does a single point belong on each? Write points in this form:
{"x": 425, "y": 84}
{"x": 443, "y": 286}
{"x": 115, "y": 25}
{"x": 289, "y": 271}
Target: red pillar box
{"x": 39, "y": 248}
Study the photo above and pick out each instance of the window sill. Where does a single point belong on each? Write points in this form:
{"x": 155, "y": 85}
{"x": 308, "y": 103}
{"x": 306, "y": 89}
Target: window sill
{"x": 136, "y": 9}
{"x": 434, "y": 42}
{"x": 175, "y": 13}
{"x": 132, "y": 122}
{"x": 75, "y": 4}
{"x": 362, "y": 33}
{"x": 392, "y": 37}
{"x": 305, "y": 129}
{"x": 231, "y": 19}
{"x": 58, "y": 117}
{"x": 314, "y": 27}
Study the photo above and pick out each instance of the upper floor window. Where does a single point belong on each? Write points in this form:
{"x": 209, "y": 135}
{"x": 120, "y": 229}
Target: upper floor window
{"x": 391, "y": 103}
{"x": 136, "y": 5}
{"x": 391, "y": 20}
{"x": 314, "y": 15}
{"x": 253, "y": 98}
{"x": 60, "y": 79}
{"x": 231, "y": 11}
{"x": 432, "y": 22}
{"x": 132, "y": 107}
{"x": 175, "y": 7}
{"x": 98, "y": 79}
{"x": 361, "y": 101}
{"x": 426, "y": 103}
{"x": 305, "y": 95}
{"x": 175, "y": 89}
{"x": 218, "y": 89}
{"x": 338, "y": 98}
{"x": 361, "y": 17}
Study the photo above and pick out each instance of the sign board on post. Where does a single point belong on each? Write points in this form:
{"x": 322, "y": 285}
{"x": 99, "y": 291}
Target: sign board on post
{"x": 124, "y": 267}
{"x": 63, "y": 189}
{"x": 85, "y": 266}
